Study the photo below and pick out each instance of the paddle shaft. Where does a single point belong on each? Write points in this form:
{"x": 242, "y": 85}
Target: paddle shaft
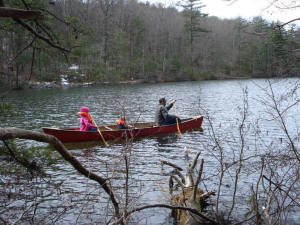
{"x": 99, "y": 131}
{"x": 178, "y": 130}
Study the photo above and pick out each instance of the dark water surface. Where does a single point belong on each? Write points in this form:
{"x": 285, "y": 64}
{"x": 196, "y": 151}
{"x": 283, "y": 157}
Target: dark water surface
{"x": 58, "y": 107}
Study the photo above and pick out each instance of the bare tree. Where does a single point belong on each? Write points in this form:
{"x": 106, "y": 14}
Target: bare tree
{"x": 121, "y": 213}
{"x": 272, "y": 165}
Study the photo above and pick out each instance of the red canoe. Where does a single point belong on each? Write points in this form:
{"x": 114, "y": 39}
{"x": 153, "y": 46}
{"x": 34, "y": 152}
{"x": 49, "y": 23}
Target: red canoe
{"x": 112, "y": 132}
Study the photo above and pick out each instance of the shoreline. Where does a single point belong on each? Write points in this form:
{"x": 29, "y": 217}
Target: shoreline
{"x": 58, "y": 84}
{"x": 55, "y": 84}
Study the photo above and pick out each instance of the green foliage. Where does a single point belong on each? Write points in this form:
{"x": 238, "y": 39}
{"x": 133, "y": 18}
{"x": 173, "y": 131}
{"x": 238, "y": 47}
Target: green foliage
{"x": 30, "y": 158}
{"x": 188, "y": 71}
{"x": 175, "y": 64}
{"x": 112, "y": 75}
{"x": 227, "y": 69}
{"x": 267, "y": 54}
{"x": 5, "y": 108}
{"x": 83, "y": 48}
{"x": 193, "y": 15}
{"x": 152, "y": 45}
{"x": 151, "y": 63}
{"x": 97, "y": 72}
{"x": 260, "y": 25}
{"x": 251, "y": 202}
{"x": 207, "y": 75}
{"x": 137, "y": 30}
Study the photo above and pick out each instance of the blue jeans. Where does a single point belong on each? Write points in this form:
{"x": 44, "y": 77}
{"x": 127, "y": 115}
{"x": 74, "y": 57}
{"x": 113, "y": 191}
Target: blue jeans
{"x": 93, "y": 129}
{"x": 122, "y": 127}
{"x": 171, "y": 119}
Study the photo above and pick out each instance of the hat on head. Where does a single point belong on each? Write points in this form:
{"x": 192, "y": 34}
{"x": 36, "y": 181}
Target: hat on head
{"x": 162, "y": 100}
{"x": 84, "y": 109}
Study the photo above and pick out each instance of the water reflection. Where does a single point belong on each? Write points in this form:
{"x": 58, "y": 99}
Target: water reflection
{"x": 167, "y": 140}
{"x": 84, "y": 145}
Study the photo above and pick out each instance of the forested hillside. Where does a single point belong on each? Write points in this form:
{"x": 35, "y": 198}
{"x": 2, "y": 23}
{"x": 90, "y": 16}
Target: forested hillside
{"x": 113, "y": 40}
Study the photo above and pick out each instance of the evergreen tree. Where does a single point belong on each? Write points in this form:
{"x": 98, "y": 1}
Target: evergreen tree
{"x": 193, "y": 15}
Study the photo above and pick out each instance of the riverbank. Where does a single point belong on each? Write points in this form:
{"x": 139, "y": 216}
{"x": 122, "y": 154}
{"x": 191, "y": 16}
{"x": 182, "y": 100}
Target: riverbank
{"x": 55, "y": 84}
{"x": 64, "y": 83}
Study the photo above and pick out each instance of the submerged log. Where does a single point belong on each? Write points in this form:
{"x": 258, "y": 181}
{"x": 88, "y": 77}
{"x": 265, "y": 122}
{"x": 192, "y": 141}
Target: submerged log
{"x": 185, "y": 198}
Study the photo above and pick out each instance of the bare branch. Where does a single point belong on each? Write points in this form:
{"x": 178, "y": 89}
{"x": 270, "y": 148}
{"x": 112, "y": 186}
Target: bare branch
{"x": 171, "y": 164}
{"x": 194, "y": 211}
{"x": 195, "y": 160}
{"x": 291, "y": 21}
{"x": 12, "y": 133}
{"x": 286, "y": 192}
{"x": 22, "y": 50}
{"x": 198, "y": 179}
{"x": 176, "y": 171}
{"x": 48, "y": 41}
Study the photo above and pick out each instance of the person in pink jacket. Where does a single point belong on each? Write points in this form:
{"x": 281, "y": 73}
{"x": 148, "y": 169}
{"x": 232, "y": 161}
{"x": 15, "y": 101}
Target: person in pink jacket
{"x": 85, "y": 120}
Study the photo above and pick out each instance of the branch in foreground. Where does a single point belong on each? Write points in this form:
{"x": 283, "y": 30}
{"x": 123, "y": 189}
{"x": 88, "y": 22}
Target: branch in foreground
{"x": 48, "y": 41}
{"x": 12, "y": 133}
{"x": 194, "y": 211}
{"x": 291, "y": 21}
{"x": 21, "y": 14}
{"x": 171, "y": 164}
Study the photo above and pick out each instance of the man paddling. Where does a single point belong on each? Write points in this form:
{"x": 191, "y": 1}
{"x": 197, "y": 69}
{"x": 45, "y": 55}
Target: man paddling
{"x": 162, "y": 116}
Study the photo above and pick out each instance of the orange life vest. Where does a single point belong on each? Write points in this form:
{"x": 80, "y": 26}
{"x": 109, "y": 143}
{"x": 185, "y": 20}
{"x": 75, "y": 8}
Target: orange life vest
{"x": 120, "y": 122}
{"x": 85, "y": 114}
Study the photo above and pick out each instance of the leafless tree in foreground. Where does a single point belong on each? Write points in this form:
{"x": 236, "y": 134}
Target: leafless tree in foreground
{"x": 250, "y": 155}
{"x": 121, "y": 213}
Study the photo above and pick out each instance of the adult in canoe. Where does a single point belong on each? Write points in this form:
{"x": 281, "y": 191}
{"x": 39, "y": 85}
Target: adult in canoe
{"x": 162, "y": 116}
{"x": 86, "y": 120}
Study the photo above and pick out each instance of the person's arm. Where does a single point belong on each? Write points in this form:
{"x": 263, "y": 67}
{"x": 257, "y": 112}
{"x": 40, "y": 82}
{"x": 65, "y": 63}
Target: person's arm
{"x": 87, "y": 124}
{"x": 171, "y": 105}
{"x": 90, "y": 125}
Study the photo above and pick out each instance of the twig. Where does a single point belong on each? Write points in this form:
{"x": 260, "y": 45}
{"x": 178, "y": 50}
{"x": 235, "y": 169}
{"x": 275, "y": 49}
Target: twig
{"x": 195, "y": 160}
{"x": 176, "y": 171}
{"x": 198, "y": 180}
{"x": 31, "y": 30}
{"x": 171, "y": 164}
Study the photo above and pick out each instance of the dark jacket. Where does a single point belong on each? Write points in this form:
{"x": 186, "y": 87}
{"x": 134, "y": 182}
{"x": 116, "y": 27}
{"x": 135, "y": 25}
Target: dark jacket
{"x": 161, "y": 113}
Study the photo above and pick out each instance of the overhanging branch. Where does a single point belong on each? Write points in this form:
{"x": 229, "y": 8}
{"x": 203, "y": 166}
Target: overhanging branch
{"x": 20, "y": 13}
{"x": 48, "y": 41}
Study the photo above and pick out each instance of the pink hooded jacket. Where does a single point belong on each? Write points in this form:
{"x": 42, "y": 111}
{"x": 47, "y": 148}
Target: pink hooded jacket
{"x": 85, "y": 120}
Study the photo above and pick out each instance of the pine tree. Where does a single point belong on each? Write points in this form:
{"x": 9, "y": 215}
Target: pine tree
{"x": 193, "y": 15}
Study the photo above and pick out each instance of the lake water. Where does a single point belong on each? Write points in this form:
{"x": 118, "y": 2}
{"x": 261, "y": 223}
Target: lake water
{"x": 222, "y": 99}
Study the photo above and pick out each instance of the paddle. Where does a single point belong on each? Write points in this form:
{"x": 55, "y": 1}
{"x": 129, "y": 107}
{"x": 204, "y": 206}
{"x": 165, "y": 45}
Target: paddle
{"x": 178, "y": 130}
{"x": 99, "y": 131}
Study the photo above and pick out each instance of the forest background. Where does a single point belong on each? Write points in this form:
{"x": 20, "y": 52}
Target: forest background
{"x": 112, "y": 41}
